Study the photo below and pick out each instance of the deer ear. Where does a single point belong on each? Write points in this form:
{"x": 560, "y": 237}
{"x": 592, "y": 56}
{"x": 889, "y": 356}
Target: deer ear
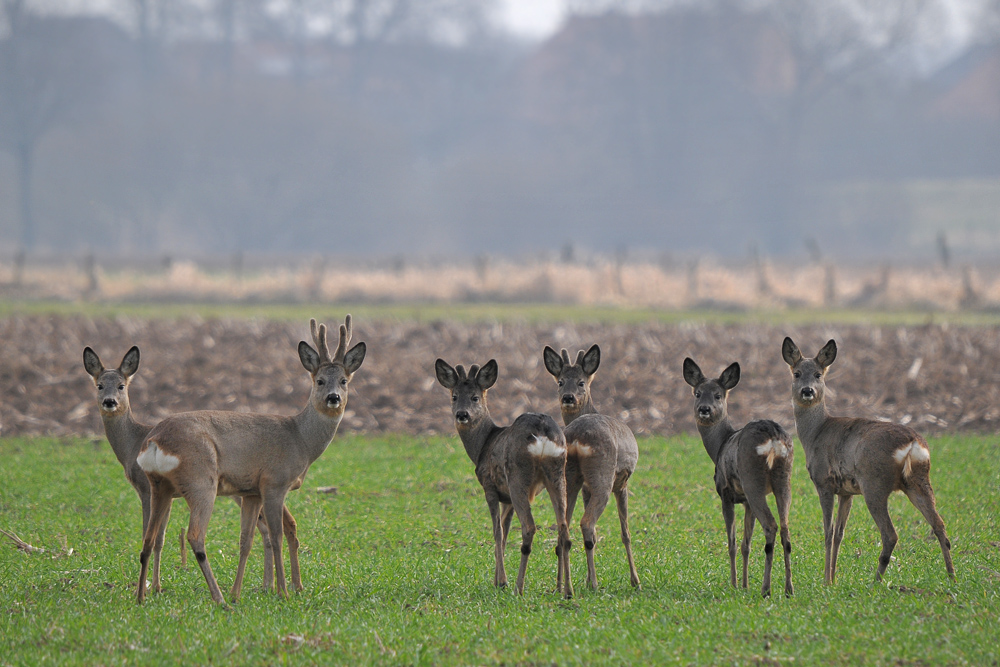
{"x": 692, "y": 374}
{"x": 790, "y": 352}
{"x": 553, "y": 362}
{"x": 354, "y": 357}
{"x": 309, "y": 357}
{"x": 488, "y": 375}
{"x": 826, "y": 356}
{"x": 130, "y": 362}
{"x": 446, "y": 375}
{"x": 730, "y": 377}
{"x": 92, "y": 363}
{"x": 592, "y": 359}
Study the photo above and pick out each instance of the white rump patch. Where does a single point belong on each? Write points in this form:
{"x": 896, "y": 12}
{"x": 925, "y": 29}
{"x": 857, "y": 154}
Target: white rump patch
{"x": 542, "y": 446}
{"x": 908, "y": 454}
{"x": 155, "y": 460}
{"x": 772, "y": 449}
{"x": 579, "y": 449}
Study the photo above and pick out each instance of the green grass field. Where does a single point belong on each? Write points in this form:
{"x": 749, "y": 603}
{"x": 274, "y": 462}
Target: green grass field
{"x": 398, "y": 570}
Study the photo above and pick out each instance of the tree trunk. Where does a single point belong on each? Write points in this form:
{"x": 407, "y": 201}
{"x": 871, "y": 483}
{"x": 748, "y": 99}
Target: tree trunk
{"x": 25, "y": 155}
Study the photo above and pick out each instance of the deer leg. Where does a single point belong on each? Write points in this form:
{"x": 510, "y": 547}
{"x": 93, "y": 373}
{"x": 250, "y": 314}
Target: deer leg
{"x": 499, "y": 536}
{"x": 843, "y": 512}
{"x": 783, "y": 500}
{"x": 922, "y": 497}
{"x": 160, "y": 498}
{"x": 748, "y": 521}
{"x": 249, "y": 515}
{"x": 757, "y": 501}
{"x": 588, "y": 525}
{"x": 291, "y": 531}
{"x": 826, "y": 505}
{"x": 506, "y": 515}
{"x": 201, "y": 502}
{"x": 621, "y": 496}
{"x": 729, "y": 514}
{"x": 274, "y": 504}
{"x": 555, "y": 484}
{"x": 574, "y": 482}
{"x": 878, "y": 506}
{"x": 158, "y": 547}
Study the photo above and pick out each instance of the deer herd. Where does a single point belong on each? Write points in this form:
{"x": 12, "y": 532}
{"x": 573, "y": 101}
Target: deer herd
{"x": 257, "y": 459}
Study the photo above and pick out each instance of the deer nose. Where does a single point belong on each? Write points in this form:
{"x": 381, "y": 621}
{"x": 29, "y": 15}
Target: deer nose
{"x": 568, "y": 399}
{"x": 110, "y": 403}
{"x": 333, "y": 400}
{"x": 462, "y": 416}
{"x": 704, "y": 412}
{"x": 808, "y": 393}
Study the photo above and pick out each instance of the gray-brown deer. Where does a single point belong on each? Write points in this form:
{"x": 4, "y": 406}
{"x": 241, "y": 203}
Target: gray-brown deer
{"x": 513, "y": 463}
{"x": 601, "y": 452}
{"x": 848, "y": 456}
{"x": 205, "y": 454}
{"x": 125, "y": 434}
{"x": 750, "y": 463}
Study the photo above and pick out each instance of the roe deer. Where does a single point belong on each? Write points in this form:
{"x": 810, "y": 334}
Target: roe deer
{"x": 513, "y": 463}
{"x": 849, "y": 456}
{"x": 125, "y": 435}
{"x": 750, "y": 462}
{"x": 601, "y": 452}
{"x": 260, "y": 457}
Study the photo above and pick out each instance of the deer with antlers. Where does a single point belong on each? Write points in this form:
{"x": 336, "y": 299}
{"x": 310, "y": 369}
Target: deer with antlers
{"x": 849, "y": 456}
{"x": 601, "y": 452}
{"x": 750, "y": 462}
{"x": 126, "y": 434}
{"x": 201, "y": 455}
{"x": 513, "y": 463}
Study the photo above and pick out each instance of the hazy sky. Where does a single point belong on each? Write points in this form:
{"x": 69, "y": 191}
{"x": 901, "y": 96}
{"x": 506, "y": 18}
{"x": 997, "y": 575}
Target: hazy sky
{"x": 534, "y": 18}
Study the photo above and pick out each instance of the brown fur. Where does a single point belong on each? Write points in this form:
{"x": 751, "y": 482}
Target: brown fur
{"x": 852, "y": 456}
{"x": 258, "y": 457}
{"x": 602, "y": 452}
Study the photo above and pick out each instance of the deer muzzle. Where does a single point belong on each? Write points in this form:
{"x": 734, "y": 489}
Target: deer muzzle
{"x": 109, "y": 403}
{"x": 568, "y": 399}
{"x": 808, "y": 393}
{"x": 333, "y": 400}
{"x": 462, "y": 416}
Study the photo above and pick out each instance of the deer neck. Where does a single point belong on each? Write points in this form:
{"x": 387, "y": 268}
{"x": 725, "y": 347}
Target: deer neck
{"x": 809, "y": 421}
{"x": 715, "y": 436}
{"x": 125, "y": 435}
{"x": 584, "y": 408}
{"x": 316, "y": 430}
{"x": 476, "y": 439}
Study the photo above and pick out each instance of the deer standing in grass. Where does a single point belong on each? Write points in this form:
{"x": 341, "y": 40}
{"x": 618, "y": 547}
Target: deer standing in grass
{"x": 848, "y": 456}
{"x": 513, "y": 463}
{"x": 201, "y": 455}
{"x": 601, "y": 452}
{"x": 750, "y": 463}
{"x": 125, "y": 434}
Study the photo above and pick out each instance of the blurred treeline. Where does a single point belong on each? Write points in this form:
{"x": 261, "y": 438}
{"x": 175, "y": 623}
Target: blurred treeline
{"x": 393, "y": 127}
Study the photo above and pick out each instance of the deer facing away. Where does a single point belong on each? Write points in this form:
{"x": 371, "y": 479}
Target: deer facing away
{"x": 850, "y": 456}
{"x": 125, "y": 434}
{"x": 750, "y": 462}
{"x": 201, "y": 455}
{"x": 601, "y": 452}
{"x": 513, "y": 463}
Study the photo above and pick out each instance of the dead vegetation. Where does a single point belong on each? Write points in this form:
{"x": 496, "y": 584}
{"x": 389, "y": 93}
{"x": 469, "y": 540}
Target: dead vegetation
{"x": 935, "y": 378}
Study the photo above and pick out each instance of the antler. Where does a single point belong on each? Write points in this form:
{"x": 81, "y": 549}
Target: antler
{"x": 565, "y": 357}
{"x": 460, "y": 369}
{"x": 319, "y": 340}
{"x": 579, "y": 357}
{"x": 345, "y": 338}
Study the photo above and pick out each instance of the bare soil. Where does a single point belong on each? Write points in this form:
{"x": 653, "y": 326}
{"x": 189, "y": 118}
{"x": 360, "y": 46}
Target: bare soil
{"x": 935, "y": 378}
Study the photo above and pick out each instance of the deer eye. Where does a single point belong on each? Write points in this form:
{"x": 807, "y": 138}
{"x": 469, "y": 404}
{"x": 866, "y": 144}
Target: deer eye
{"x": 475, "y": 399}
{"x": 320, "y": 383}
{"x": 343, "y": 382}
{"x": 121, "y": 387}
{"x": 819, "y": 375}
{"x": 100, "y": 387}
{"x": 697, "y": 394}
{"x": 581, "y": 383}
{"x": 454, "y": 398}
{"x": 796, "y": 375}
{"x": 718, "y": 397}
{"x": 561, "y": 383}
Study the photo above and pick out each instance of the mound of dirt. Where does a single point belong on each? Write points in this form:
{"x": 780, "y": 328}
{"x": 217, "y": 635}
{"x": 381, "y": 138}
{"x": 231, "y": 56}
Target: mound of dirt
{"x": 935, "y": 378}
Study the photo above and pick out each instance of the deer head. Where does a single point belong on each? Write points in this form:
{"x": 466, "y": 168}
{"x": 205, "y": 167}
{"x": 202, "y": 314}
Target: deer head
{"x": 573, "y": 379}
{"x": 112, "y": 383}
{"x": 468, "y": 391}
{"x": 808, "y": 375}
{"x": 710, "y": 396}
{"x": 331, "y": 374}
